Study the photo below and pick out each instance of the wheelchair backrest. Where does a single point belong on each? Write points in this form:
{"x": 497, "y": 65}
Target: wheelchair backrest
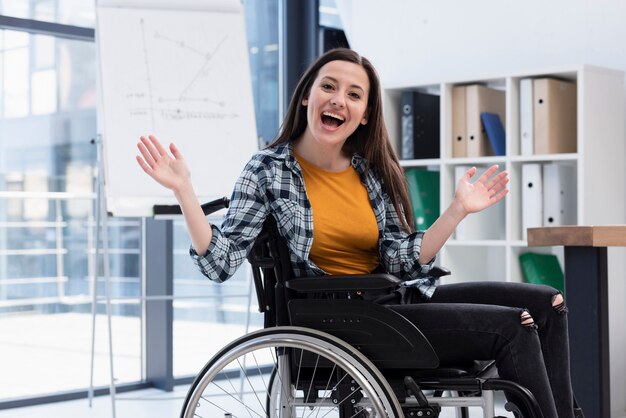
{"x": 271, "y": 267}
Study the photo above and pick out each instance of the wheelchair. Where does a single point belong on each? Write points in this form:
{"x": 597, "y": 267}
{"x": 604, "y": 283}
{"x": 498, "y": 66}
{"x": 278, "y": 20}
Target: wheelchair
{"x": 327, "y": 351}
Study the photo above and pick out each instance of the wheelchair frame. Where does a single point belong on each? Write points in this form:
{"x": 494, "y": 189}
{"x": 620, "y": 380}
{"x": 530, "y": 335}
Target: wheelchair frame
{"x": 393, "y": 368}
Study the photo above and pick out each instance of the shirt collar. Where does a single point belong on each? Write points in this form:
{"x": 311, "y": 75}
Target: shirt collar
{"x": 285, "y": 152}
{"x": 359, "y": 163}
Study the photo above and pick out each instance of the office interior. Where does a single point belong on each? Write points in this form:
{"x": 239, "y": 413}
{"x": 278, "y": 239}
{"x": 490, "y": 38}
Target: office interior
{"x": 53, "y": 293}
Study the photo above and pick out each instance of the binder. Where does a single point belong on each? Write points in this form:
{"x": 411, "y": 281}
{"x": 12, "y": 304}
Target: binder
{"x": 406, "y": 150}
{"x": 486, "y": 224}
{"x": 479, "y": 99}
{"x": 526, "y": 116}
{"x": 459, "y": 140}
{"x": 495, "y": 132}
{"x": 542, "y": 269}
{"x": 532, "y": 197}
{"x": 424, "y": 194}
{"x": 559, "y": 194}
{"x": 554, "y": 113}
{"x": 420, "y": 125}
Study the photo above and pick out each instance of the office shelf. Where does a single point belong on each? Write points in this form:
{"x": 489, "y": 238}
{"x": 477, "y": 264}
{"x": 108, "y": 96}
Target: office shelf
{"x": 599, "y": 172}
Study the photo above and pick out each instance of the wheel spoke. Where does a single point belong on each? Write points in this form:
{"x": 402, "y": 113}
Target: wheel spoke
{"x": 239, "y": 401}
{"x": 260, "y": 372}
{"x": 330, "y": 378}
{"x": 249, "y": 383}
{"x": 306, "y": 395}
{"x": 288, "y": 380}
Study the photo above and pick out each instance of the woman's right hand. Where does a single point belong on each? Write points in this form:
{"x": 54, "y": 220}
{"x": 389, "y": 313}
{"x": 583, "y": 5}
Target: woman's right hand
{"x": 170, "y": 171}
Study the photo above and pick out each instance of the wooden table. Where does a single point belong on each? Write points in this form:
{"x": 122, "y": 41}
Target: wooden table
{"x": 586, "y": 294}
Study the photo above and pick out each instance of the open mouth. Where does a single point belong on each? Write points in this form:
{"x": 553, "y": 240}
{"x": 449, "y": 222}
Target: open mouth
{"x": 332, "y": 119}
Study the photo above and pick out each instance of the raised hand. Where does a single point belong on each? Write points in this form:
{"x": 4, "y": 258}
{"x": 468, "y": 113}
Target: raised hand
{"x": 170, "y": 171}
{"x": 484, "y": 192}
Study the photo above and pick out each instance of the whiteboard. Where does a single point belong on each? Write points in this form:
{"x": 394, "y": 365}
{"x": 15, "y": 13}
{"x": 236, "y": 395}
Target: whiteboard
{"x": 178, "y": 70}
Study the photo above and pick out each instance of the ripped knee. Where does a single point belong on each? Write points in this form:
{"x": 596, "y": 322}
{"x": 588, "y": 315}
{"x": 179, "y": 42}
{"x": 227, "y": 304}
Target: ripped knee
{"x": 527, "y": 320}
{"x": 558, "y": 303}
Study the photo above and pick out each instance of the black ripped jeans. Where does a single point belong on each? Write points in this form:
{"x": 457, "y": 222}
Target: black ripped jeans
{"x": 482, "y": 321}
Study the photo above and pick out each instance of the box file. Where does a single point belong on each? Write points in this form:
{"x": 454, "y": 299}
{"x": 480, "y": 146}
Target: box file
{"x": 479, "y": 99}
{"x": 526, "y": 117}
{"x": 554, "y": 114}
{"x": 420, "y": 125}
{"x": 542, "y": 269}
{"x": 532, "y": 197}
{"x": 559, "y": 195}
{"x": 424, "y": 194}
{"x": 459, "y": 140}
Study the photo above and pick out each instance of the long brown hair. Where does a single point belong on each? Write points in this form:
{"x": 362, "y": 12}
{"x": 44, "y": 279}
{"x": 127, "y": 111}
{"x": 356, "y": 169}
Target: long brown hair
{"x": 370, "y": 140}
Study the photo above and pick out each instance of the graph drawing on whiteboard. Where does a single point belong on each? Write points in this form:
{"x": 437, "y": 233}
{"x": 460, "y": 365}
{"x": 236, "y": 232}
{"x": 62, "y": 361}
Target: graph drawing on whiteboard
{"x": 182, "y": 75}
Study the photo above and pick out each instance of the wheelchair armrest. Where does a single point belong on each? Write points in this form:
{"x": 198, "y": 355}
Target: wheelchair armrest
{"x": 341, "y": 283}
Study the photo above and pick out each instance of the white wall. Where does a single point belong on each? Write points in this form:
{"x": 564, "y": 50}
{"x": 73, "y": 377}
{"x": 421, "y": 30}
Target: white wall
{"x": 445, "y": 39}
{"x": 427, "y": 41}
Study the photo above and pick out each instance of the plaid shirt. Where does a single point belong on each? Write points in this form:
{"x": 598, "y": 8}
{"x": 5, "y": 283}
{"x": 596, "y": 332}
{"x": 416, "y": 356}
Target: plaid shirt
{"x": 272, "y": 182}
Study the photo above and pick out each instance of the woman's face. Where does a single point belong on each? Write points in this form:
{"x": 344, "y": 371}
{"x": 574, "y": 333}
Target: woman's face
{"x": 337, "y": 103}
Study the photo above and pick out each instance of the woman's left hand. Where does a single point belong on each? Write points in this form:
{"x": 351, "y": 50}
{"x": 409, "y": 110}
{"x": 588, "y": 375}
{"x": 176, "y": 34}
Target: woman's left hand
{"x": 484, "y": 192}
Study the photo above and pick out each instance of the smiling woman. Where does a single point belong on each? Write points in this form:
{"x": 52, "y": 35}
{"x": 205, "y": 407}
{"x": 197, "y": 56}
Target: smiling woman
{"x": 336, "y": 105}
{"x": 334, "y": 185}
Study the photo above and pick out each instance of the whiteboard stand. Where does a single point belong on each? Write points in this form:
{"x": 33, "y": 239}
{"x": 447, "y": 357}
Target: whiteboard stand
{"x": 101, "y": 223}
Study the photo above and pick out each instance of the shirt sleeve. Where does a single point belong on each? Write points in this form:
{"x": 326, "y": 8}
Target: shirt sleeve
{"x": 400, "y": 250}
{"x": 244, "y": 219}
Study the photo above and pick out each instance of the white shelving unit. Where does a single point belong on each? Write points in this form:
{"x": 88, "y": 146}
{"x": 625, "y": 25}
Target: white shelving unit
{"x": 598, "y": 162}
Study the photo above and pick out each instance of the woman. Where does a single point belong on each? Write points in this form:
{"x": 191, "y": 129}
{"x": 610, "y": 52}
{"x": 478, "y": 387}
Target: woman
{"x": 332, "y": 166}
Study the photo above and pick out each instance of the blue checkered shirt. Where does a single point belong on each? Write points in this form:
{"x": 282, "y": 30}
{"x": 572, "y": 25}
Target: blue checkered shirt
{"x": 272, "y": 183}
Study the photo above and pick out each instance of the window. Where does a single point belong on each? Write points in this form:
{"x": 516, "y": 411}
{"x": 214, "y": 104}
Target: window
{"x": 47, "y": 217}
{"x": 68, "y": 12}
{"x": 207, "y": 316}
{"x": 47, "y": 122}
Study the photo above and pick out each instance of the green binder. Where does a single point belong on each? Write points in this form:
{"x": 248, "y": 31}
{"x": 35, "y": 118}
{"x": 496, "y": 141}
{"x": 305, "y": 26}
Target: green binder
{"x": 424, "y": 195}
{"x": 542, "y": 269}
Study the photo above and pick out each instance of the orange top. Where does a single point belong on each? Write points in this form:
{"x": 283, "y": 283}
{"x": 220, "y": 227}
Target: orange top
{"x": 345, "y": 232}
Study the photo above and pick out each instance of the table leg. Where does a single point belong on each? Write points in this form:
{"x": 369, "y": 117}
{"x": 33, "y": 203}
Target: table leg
{"x": 586, "y": 293}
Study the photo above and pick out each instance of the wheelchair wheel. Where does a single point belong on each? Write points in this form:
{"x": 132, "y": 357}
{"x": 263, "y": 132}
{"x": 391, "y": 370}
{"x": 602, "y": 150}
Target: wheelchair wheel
{"x": 288, "y": 372}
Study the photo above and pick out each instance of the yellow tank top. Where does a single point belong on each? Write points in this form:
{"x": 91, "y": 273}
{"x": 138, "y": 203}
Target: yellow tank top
{"x": 345, "y": 232}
